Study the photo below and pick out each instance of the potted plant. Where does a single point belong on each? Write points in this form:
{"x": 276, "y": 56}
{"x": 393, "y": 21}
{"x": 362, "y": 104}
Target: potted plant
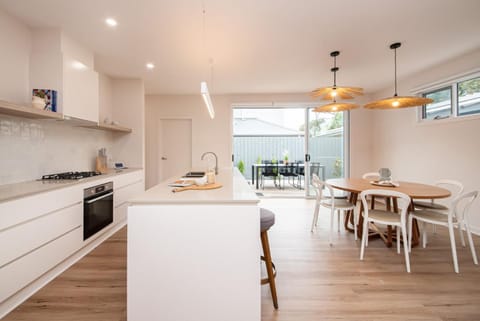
{"x": 241, "y": 167}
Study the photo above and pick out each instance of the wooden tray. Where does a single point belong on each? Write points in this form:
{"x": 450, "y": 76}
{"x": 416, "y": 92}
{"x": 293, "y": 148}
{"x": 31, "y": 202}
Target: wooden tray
{"x": 197, "y": 187}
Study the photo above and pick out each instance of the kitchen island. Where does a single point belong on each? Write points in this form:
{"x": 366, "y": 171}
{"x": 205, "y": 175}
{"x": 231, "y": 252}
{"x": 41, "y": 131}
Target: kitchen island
{"x": 195, "y": 255}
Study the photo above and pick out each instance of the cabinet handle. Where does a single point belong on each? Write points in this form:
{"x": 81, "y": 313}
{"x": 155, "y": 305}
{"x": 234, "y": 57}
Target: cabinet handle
{"x": 98, "y": 198}
{"x": 164, "y": 158}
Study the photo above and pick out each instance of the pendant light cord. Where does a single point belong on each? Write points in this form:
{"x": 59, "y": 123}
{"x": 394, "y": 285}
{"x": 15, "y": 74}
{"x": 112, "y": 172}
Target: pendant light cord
{"x": 335, "y": 72}
{"x": 395, "y": 59}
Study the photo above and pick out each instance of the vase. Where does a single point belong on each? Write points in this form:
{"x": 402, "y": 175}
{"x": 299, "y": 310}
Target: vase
{"x": 38, "y": 102}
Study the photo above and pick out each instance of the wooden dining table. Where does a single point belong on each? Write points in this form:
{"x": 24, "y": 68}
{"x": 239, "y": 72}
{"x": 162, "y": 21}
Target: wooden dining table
{"x": 415, "y": 190}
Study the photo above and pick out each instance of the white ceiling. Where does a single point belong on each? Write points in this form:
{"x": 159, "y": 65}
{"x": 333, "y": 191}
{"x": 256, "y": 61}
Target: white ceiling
{"x": 261, "y": 46}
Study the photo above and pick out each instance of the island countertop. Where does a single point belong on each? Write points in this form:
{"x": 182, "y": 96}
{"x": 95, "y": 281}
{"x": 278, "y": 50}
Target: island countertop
{"x": 234, "y": 190}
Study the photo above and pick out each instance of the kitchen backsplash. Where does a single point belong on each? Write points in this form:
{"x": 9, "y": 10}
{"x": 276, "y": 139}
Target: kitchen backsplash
{"x": 31, "y": 148}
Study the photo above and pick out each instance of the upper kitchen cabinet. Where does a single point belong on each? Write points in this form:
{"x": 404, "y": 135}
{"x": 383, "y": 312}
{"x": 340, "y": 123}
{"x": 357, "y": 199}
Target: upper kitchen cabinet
{"x": 59, "y": 63}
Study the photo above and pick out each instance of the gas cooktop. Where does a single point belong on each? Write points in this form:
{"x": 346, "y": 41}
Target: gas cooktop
{"x": 70, "y": 175}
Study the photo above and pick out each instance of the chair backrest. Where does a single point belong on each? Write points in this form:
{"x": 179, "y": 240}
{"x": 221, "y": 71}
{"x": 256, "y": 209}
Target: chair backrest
{"x": 270, "y": 168}
{"x": 319, "y": 185}
{"x": 461, "y": 205}
{"x": 403, "y": 200}
{"x": 371, "y": 175}
{"x": 455, "y": 187}
{"x": 300, "y": 169}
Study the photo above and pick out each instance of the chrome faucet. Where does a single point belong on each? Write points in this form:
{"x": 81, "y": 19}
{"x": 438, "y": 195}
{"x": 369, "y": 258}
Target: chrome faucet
{"x": 216, "y": 160}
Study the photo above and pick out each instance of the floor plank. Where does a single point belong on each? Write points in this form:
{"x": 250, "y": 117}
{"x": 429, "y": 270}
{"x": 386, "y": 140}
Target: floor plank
{"x": 314, "y": 281}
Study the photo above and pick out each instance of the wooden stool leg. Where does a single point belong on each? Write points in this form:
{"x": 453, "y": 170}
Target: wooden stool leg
{"x": 268, "y": 263}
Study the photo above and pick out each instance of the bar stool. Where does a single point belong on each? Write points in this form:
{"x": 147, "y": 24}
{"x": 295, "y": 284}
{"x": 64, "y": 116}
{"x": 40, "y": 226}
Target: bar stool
{"x": 267, "y": 219}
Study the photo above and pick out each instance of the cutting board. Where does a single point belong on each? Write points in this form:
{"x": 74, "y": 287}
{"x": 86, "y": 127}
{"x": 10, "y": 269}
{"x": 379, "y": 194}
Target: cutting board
{"x": 197, "y": 187}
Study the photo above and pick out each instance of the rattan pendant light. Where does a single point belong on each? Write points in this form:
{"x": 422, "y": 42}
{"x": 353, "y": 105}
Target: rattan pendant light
{"x": 398, "y": 101}
{"x": 336, "y": 92}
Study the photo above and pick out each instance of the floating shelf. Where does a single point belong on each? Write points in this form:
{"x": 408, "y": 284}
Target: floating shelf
{"x": 12, "y": 109}
{"x": 25, "y": 111}
{"x": 112, "y": 128}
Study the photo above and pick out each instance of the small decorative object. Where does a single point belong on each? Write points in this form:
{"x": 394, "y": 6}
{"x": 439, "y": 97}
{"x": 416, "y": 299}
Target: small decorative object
{"x": 115, "y": 123}
{"x": 38, "y": 102}
{"x": 385, "y": 175}
{"x": 106, "y": 120}
{"x": 49, "y": 96}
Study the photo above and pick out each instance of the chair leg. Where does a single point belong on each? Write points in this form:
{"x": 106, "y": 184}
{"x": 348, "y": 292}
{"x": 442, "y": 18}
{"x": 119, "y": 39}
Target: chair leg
{"x": 424, "y": 234}
{"x": 268, "y": 263}
{"x": 364, "y": 238}
{"x": 398, "y": 239}
{"x": 470, "y": 243}
{"x": 355, "y": 222}
{"x": 338, "y": 221}
{"x": 410, "y": 228}
{"x": 460, "y": 231}
{"x": 315, "y": 216}
{"x": 405, "y": 246}
{"x": 332, "y": 213}
{"x": 454, "y": 249}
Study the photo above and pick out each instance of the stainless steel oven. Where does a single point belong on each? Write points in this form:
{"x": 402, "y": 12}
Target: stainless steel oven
{"x": 97, "y": 208}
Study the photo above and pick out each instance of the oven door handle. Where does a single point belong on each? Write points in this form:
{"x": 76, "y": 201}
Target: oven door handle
{"x": 99, "y": 198}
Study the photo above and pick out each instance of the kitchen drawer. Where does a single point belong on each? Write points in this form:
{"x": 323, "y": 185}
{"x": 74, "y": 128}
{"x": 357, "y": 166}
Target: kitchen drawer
{"x": 123, "y": 194}
{"x": 23, "y": 238}
{"x": 21, "y": 272}
{"x": 127, "y": 179}
{"x": 120, "y": 213}
{"x": 28, "y": 208}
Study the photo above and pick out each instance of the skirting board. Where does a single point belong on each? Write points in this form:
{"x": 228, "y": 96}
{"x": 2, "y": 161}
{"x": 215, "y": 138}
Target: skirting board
{"x": 18, "y": 298}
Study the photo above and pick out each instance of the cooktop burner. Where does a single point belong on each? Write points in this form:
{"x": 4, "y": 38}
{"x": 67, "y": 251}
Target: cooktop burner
{"x": 70, "y": 175}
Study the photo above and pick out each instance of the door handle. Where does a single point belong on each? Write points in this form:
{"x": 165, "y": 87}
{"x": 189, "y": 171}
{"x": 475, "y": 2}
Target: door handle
{"x": 164, "y": 158}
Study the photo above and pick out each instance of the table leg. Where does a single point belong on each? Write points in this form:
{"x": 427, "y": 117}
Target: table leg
{"x": 256, "y": 176}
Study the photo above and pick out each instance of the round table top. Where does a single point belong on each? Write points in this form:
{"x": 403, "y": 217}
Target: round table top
{"x": 414, "y": 190}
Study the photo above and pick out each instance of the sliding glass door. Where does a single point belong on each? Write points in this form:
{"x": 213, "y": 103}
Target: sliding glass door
{"x": 278, "y": 149}
{"x": 326, "y": 146}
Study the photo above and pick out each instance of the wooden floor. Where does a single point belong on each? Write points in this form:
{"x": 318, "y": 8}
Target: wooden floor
{"x": 314, "y": 281}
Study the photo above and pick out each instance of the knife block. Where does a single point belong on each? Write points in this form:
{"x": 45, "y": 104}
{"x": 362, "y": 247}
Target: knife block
{"x": 101, "y": 164}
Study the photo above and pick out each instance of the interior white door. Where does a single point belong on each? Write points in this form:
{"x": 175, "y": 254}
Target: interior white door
{"x": 175, "y": 147}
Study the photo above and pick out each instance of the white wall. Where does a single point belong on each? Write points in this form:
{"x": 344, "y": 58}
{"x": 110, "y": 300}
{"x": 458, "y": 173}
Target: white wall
{"x": 14, "y": 59}
{"x": 428, "y": 152}
{"x": 128, "y": 108}
{"x": 216, "y": 135}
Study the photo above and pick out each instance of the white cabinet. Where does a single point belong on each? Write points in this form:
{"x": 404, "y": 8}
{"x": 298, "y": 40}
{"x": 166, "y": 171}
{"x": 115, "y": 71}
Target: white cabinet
{"x": 37, "y": 233}
{"x": 41, "y": 231}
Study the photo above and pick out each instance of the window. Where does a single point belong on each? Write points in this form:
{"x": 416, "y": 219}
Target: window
{"x": 454, "y": 98}
{"x": 469, "y": 97}
{"x": 441, "y": 106}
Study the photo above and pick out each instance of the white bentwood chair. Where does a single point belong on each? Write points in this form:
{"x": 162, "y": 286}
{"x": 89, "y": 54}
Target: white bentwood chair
{"x": 387, "y": 218}
{"x": 457, "y": 217}
{"x": 455, "y": 188}
{"x": 334, "y": 204}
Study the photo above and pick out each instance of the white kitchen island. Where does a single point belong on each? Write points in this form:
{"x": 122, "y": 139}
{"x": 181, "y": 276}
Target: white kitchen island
{"x": 195, "y": 255}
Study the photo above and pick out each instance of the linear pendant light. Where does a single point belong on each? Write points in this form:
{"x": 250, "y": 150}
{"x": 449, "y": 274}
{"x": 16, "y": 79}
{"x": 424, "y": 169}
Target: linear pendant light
{"x": 203, "y": 85}
{"x": 334, "y": 92}
{"x": 206, "y": 99}
{"x": 398, "y": 101}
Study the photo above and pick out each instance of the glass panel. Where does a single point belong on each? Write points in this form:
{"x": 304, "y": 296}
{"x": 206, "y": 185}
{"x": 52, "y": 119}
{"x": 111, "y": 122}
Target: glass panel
{"x": 441, "y": 106}
{"x": 266, "y": 141}
{"x": 469, "y": 97}
{"x": 325, "y": 145}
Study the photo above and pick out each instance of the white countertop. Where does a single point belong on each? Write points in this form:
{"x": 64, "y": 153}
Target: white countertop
{"x": 17, "y": 190}
{"x": 235, "y": 189}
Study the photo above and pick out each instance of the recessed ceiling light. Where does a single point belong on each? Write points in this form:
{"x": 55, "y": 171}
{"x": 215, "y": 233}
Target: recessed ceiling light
{"x": 111, "y": 22}
{"x": 150, "y": 65}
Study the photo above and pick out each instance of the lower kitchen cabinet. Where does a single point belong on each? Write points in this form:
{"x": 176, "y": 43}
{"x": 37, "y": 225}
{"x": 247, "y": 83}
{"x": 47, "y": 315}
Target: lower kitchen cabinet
{"x": 45, "y": 231}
